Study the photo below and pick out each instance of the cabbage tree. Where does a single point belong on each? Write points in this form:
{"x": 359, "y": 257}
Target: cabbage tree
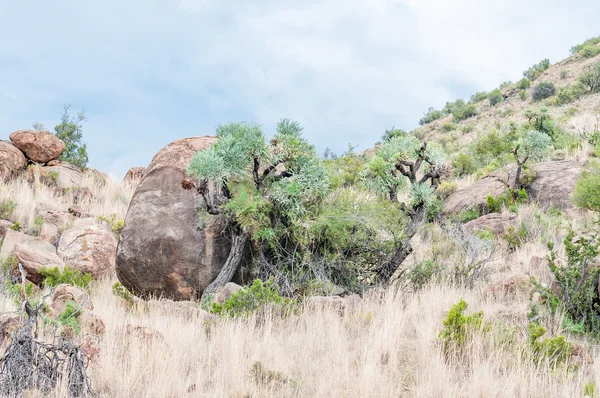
{"x": 532, "y": 147}
{"x": 253, "y": 181}
{"x": 404, "y": 163}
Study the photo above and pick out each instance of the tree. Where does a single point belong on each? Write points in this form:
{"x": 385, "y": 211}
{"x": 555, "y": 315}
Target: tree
{"x": 261, "y": 187}
{"x": 405, "y": 162}
{"x": 70, "y": 132}
{"x": 391, "y": 133}
{"x": 531, "y": 147}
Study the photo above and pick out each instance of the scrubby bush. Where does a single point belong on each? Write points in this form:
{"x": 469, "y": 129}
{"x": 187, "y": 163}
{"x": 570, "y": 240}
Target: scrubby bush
{"x": 55, "y": 276}
{"x": 568, "y": 94}
{"x": 516, "y": 237}
{"x": 430, "y": 116}
{"x": 121, "y": 291}
{"x": 70, "y": 131}
{"x": 590, "y": 51}
{"x": 495, "y": 97}
{"x": 422, "y": 273}
{"x": 7, "y": 208}
{"x": 69, "y": 318}
{"x": 536, "y": 70}
{"x": 589, "y": 42}
{"x": 113, "y": 222}
{"x": 523, "y": 95}
{"x": 479, "y": 96}
{"x": 556, "y": 349}
{"x": 543, "y": 90}
{"x": 564, "y": 74}
{"x": 505, "y": 84}
{"x": 463, "y": 165}
{"x": 246, "y": 301}
{"x": 460, "y": 110}
{"x": 459, "y": 329}
{"x": 469, "y": 215}
{"x": 451, "y": 126}
{"x": 587, "y": 188}
{"x": 510, "y": 199}
{"x": 590, "y": 78}
{"x": 446, "y": 189}
{"x": 524, "y": 83}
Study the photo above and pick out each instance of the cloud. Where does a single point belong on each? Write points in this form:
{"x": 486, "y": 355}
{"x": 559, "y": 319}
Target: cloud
{"x": 154, "y": 71}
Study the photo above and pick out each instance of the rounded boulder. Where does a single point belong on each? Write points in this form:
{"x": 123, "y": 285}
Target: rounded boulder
{"x": 12, "y": 160}
{"x": 39, "y": 146}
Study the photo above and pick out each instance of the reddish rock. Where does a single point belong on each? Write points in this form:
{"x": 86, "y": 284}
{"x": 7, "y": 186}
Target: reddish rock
{"x": 90, "y": 249}
{"x": 496, "y": 223}
{"x": 39, "y": 146}
{"x": 65, "y": 293}
{"x": 49, "y": 233}
{"x": 226, "y": 292}
{"x": 9, "y": 323}
{"x": 12, "y": 160}
{"x": 512, "y": 285}
{"x": 134, "y": 175}
{"x": 35, "y": 255}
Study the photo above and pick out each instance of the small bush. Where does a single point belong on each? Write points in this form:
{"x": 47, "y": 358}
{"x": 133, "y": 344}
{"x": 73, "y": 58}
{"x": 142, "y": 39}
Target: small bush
{"x": 460, "y": 110}
{"x": 250, "y": 299}
{"x": 590, "y": 51}
{"x": 536, "y": 70}
{"x": 524, "y": 84}
{"x": 556, "y": 350}
{"x": 568, "y": 94}
{"x": 564, "y": 74}
{"x": 478, "y": 97}
{"x": 121, "y": 291}
{"x": 523, "y": 95}
{"x": 463, "y": 165}
{"x": 459, "y": 329}
{"x": 469, "y": 215}
{"x": 510, "y": 199}
{"x": 495, "y": 97}
{"x": 543, "y": 90}
{"x": 589, "y": 42}
{"x": 590, "y": 78}
{"x": 515, "y": 238}
{"x": 445, "y": 189}
{"x": 54, "y": 277}
{"x": 448, "y": 127}
{"x": 113, "y": 222}
{"x": 69, "y": 318}
{"x": 430, "y": 116}
{"x": 7, "y": 208}
{"x": 504, "y": 84}
{"x": 8, "y": 264}
{"x": 587, "y": 188}
{"x": 422, "y": 273}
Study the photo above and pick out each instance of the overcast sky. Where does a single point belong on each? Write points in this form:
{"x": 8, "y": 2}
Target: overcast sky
{"x": 151, "y": 71}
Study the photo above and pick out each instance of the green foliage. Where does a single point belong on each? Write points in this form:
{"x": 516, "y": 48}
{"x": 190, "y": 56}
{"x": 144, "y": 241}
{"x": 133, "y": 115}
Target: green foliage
{"x": 575, "y": 291}
{"x": 590, "y": 51}
{"x": 543, "y": 90}
{"x": 15, "y": 291}
{"x": 555, "y": 350}
{"x": 450, "y": 126}
{"x": 253, "y": 298}
{"x": 524, "y": 84}
{"x": 8, "y": 264}
{"x": 589, "y": 390}
{"x": 7, "y": 208}
{"x": 54, "y": 277}
{"x": 121, "y": 291}
{"x": 16, "y": 227}
{"x": 540, "y": 120}
{"x": 510, "y": 199}
{"x": 505, "y": 84}
{"x": 115, "y": 224}
{"x": 564, "y": 74}
{"x": 70, "y": 131}
{"x": 495, "y": 97}
{"x": 516, "y": 237}
{"x": 587, "y": 188}
{"x": 590, "y": 78}
{"x": 470, "y": 215}
{"x": 69, "y": 318}
{"x": 445, "y": 189}
{"x": 422, "y": 273}
{"x": 460, "y": 110}
{"x": 523, "y": 95}
{"x": 463, "y": 165}
{"x": 459, "y": 329}
{"x": 536, "y": 70}
{"x": 479, "y": 96}
{"x": 391, "y": 133}
{"x": 431, "y": 115}
{"x": 568, "y": 94}
{"x": 589, "y": 42}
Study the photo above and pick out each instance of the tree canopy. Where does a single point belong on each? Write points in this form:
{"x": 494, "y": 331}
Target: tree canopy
{"x": 70, "y": 131}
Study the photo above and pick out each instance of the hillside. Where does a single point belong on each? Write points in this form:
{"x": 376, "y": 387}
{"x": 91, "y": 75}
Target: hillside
{"x": 458, "y": 260}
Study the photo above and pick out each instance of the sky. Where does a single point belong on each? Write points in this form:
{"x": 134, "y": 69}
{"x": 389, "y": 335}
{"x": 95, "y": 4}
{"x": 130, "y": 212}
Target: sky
{"x": 149, "y": 72}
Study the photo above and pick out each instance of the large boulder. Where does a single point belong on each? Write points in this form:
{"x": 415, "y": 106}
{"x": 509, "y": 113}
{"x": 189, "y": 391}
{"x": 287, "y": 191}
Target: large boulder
{"x": 134, "y": 175}
{"x": 554, "y": 183}
{"x": 496, "y": 223}
{"x": 39, "y": 146}
{"x": 64, "y": 175}
{"x": 475, "y": 195}
{"x": 89, "y": 248}
{"x": 11, "y": 160}
{"x": 11, "y": 239}
{"x": 34, "y": 255}
{"x": 165, "y": 250}
{"x": 5, "y": 225}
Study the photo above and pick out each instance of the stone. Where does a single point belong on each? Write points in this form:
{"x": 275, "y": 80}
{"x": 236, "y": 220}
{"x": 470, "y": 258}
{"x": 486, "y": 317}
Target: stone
{"x": 165, "y": 250}
{"x": 90, "y": 249}
{"x": 496, "y": 223}
{"x": 12, "y": 160}
{"x": 59, "y": 219}
{"x": 64, "y": 293}
{"x": 5, "y": 225}
{"x": 65, "y": 175}
{"x": 35, "y": 255}
{"x": 226, "y": 292}
{"x": 77, "y": 211}
{"x": 188, "y": 310}
{"x": 12, "y": 238}
{"x": 134, "y": 175}
{"x": 512, "y": 285}
{"x": 54, "y": 162}
{"x": 144, "y": 333}
{"x": 554, "y": 183}
{"x": 91, "y": 323}
{"x": 9, "y": 323}
{"x": 475, "y": 195}
{"x": 39, "y": 146}
{"x": 49, "y": 233}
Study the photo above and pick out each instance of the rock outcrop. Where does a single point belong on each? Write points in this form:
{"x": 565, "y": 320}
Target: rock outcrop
{"x": 12, "y": 160}
{"x": 554, "y": 183}
{"x": 496, "y": 223}
{"x": 89, "y": 248}
{"x": 35, "y": 254}
{"x": 134, "y": 175}
{"x": 39, "y": 146}
{"x": 164, "y": 249}
{"x": 475, "y": 195}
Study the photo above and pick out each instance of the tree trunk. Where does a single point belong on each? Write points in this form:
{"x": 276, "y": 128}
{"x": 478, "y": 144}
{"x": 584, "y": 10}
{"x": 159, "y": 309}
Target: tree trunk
{"x": 238, "y": 244}
{"x": 404, "y": 249}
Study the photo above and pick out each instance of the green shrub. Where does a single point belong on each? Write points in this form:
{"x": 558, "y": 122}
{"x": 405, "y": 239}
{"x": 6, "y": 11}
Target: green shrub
{"x": 113, "y": 222}
{"x": 8, "y": 264}
{"x": 510, "y": 199}
{"x": 589, "y": 42}
{"x": 7, "y": 208}
{"x": 568, "y": 94}
{"x": 463, "y": 165}
{"x": 524, "y": 84}
{"x": 422, "y": 273}
{"x": 543, "y": 90}
{"x": 590, "y": 51}
{"x": 70, "y": 131}
{"x": 590, "y": 78}
{"x": 16, "y": 227}
{"x": 469, "y": 215}
{"x": 479, "y": 96}
{"x": 564, "y": 74}
{"x": 430, "y": 116}
{"x": 460, "y": 110}
{"x": 587, "y": 188}
{"x": 69, "y": 318}
{"x": 523, "y": 95}
{"x": 495, "y": 97}
{"x": 253, "y": 298}
{"x": 459, "y": 329}
{"x": 121, "y": 291}
{"x": 536, "y": 70}
{"x": 504, "y": 84}
{"x": 54, "y": 277}
{"x": 451, "y": 126}
{"x": 445, "y": 189}
{"x": 556, "y": 350}
{"x": 515, "y": 238}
